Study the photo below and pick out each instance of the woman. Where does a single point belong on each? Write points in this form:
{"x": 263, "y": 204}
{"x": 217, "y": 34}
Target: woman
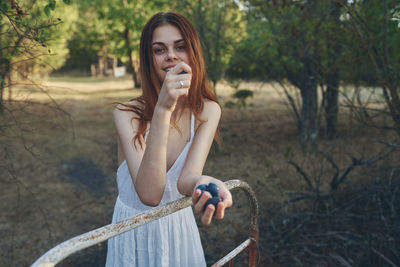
{"x": 164, "y": 138}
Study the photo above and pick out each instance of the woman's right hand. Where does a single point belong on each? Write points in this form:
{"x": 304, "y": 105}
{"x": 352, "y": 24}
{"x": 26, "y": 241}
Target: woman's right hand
{"x": 199, "y": 200}
{"x": 174, "y": 86}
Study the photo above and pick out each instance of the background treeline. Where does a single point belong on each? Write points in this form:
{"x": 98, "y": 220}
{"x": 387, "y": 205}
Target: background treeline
{"x": 314, "y": 46}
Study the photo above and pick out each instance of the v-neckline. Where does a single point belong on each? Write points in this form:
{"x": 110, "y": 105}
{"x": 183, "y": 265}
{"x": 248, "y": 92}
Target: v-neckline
{"x": 180, "y": 154}
{"x": 187, "y": 143}
{"x": 173, "y": 165}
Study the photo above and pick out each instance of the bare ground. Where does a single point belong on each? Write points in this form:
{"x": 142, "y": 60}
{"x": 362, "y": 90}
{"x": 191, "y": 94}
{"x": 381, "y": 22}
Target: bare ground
{"x": 59, "y": 160}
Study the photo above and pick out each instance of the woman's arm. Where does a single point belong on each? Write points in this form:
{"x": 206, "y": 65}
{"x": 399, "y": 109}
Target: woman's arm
{"x": 147, "y": 165}
{"x": 191, "y": 175}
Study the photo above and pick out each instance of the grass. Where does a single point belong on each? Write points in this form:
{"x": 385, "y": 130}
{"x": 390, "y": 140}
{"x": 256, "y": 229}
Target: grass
{"x": 67, "y": 121}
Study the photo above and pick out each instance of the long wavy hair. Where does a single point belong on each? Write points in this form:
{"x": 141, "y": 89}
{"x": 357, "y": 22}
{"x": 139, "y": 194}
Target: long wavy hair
{"x": 199, "y": 88}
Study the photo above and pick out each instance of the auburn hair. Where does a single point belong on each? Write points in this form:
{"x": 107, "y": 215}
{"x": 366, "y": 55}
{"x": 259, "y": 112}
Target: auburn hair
{"x": 199, "y": 88}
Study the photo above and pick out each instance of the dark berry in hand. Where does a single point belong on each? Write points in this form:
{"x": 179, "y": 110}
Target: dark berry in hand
{"x": 214, "y": 201}
{"x": 202, "y": 187}
{"x": 213, "y": 189}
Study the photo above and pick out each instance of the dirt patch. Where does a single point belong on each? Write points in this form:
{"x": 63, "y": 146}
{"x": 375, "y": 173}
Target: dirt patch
{"x": 85, "y": 174}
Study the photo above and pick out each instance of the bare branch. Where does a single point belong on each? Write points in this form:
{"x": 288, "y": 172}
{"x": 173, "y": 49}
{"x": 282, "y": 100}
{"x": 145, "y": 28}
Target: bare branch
{"x": 340, "y": 259}
{"x": 330, "y": 160}
{"x": 303, "y": 174}
{"x": 384, "y": 257}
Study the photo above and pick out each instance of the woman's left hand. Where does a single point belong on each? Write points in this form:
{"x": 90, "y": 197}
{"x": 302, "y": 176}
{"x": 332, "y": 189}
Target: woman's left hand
{"x": 224, "y": 195}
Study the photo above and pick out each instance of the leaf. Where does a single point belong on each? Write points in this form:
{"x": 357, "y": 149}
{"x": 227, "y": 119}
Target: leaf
{"x": 47, "y": 10}
{"x": 3, "y": 6}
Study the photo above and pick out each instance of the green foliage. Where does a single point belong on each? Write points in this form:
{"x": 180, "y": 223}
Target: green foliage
{"x": 109, "y": 28}
{"x": 220, "y": 25}
{"x": 50, "y": 7}
{"x": 35, "y": 41}
{"x": 114, "y": 28}
{"x": 273, "y": 46}
{"x": 89, "y": 39}
{"x": 368, "y": 25}
{"x": 310, "y": 43}
{"x": 242, "y": 95}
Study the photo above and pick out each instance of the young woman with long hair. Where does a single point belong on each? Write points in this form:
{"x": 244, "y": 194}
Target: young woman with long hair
{"x": 164, "y": 138}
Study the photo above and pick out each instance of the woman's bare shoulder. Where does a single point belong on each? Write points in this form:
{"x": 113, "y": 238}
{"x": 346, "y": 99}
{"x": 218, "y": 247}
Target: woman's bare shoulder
{"x": 125, "y": 110}
{"x": 210, "y": 109}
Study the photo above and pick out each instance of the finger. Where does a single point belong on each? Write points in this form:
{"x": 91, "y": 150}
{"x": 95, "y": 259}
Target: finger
{"x": 181, "y": 77}
{"x": 195, "y": 196}
{"x": 182, "y": 84}
{"x": 198, "y": 208}
{"x": 207, "y": 215}
{"x": 220, "y": 213}
{"x": 226, "y": 198}
{"x": 175, "y": 93}
{"x": 180, "y": 92}
{"x": 182, "y": 66}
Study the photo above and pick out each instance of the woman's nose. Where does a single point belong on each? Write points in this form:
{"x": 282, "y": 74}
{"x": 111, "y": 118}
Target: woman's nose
{"x": 171, "y": 54}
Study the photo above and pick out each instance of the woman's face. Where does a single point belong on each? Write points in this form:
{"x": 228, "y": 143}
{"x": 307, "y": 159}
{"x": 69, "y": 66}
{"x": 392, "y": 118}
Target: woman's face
{"x": 169, "y": 49}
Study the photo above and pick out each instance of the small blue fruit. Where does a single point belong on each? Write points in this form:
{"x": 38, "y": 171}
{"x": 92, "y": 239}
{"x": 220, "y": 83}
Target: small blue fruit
{"x": 214, "y": 201}
{"x": 202, "y": 187}
{"x": 213, "y": 189}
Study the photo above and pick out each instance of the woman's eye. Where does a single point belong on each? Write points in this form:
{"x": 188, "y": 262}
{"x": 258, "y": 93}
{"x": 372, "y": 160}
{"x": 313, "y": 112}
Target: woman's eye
{"x": 181, "y": 47}
{"x": 158, "y": 50}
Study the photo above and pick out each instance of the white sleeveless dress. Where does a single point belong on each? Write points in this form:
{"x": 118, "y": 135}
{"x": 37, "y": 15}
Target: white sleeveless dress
{"x": 172, "y": 240}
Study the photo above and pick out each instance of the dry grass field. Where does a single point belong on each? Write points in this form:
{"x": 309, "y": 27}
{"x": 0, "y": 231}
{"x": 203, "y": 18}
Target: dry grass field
{"x": 58, "y": 163}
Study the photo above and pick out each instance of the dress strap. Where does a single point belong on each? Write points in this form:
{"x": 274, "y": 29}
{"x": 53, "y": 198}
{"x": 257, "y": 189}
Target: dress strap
{"x": 146, "y": 133}
{"x": 192, "y": 119}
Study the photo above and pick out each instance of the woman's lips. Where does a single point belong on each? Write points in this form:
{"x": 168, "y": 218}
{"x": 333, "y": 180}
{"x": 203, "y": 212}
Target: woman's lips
{"x": 169, "y": 67}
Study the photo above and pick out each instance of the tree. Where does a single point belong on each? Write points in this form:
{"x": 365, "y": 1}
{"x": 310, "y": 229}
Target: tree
{"x": 332, "y": 70}
{"x": 288, "y": 46}
{"x": 377, "y": 35}
{"x": 118, "y": 28}
{"x": 27, "y": 36}
{"x": 220, "y": 25}
{"x": 125, "y": 20}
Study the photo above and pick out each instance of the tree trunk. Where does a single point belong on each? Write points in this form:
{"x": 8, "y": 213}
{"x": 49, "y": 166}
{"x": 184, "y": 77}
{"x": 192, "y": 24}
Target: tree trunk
{"x": 1, "y": 97}
{"x": 332, "y": 78}
{"x": 199, "y": 18}
{"x": 217, "y": 58}
{"x": 2, "y": 73}
{"x": 390, "y": 77}
{"x": 309, "y": 126}
{"x": 9, "y": 86}
{"x": 5, "y": 68}
{"x": 331, "y": 109}
{"x": 131, "y": 66}
{"x": 309, "y": 112}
